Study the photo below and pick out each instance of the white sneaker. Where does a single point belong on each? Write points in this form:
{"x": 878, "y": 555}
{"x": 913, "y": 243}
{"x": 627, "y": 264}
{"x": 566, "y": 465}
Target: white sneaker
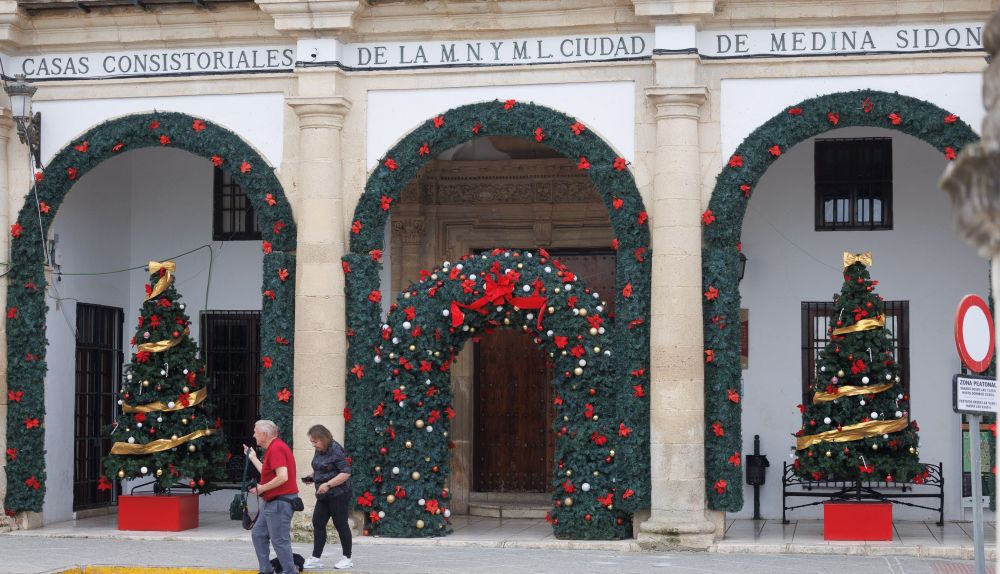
{"x": 344, "y": 563}
{"x": 313, "y": 563}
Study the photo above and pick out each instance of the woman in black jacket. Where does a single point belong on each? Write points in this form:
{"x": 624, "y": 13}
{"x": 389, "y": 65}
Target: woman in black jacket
{"x": 331, "y": 476}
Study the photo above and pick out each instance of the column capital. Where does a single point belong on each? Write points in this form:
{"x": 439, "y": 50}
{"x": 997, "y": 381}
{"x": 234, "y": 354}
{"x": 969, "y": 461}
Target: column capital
{"x": 317, "y": 112}
{"x": 681, "y": 101}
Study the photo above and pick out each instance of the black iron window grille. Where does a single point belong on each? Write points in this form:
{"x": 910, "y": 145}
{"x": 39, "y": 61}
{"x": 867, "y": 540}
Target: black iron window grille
{"x": 233, "y": 217}
{"x": 853, "y": 180}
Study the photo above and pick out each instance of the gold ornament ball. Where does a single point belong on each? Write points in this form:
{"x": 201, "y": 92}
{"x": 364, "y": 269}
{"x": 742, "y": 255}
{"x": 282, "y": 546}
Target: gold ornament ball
{"x": 874, "y": 447}
{"x": 597, "y": 350}
{"x": 184, "y": 421}
{"x": 578, "y": 371}
{"x": 596, "y": 473}
{"x": 912, "y": 450}
{"x": 437, "y": 353}
{"x": 569, "y": 473}
{"x": 378, "y": 469}
{"x": 551, "y": 310}
{"x": 420, "y": 524}
{"x": 408, "y": 444}
{"x": 145, "y": 383}
{"x": 390, "y": 499}
{"x": 413, "y": 347}
{"x": 595, "y": 417}
{"x": 185, "y": 390}
{"x": 567, "y": 501}
{"x": 159, "y": 472}
{"x": 840, "y": 373}
{"x": 583, "y": 312}
{"x": 420, "y": 423}
{"x": 406, "y": 295}
{"x": 593, "y": 331}
{"x": 427, "y": 459}
{"x": 415, "y": 475}
{"x": 173, "y": 437}
{"x": 557, "y": 290}
{"x": 506, "y": 321}
{"x": 520, "y": 265}
{"x": 192, "y": 448}
{"x": 828, "y": 454}
{"x": 208, "y": 432}
{"x": 121, "y": 474}
{"x": 612, "y": 453}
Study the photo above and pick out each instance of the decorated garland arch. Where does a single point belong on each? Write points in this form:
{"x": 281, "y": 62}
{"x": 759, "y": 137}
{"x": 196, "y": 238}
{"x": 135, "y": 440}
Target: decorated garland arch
{"x": 614, "y": 183}
{"x": 26, "y": 311}
{"x": 596, "y": 415}
{"x": 723, "y": 223}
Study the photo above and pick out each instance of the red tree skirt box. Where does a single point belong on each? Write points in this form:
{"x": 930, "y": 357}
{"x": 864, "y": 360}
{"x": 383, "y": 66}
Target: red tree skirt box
{"x": 172, "y": 513}
{"x": 857, "y": 521}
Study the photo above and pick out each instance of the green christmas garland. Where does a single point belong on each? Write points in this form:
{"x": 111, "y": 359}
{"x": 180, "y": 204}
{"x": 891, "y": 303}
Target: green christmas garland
{"x": 723, "y": 223}
{"x": 26, "y": 311}
{"x": 629, "y": 362}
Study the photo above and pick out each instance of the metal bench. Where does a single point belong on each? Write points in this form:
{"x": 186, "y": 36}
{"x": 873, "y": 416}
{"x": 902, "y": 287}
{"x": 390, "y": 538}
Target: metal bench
{"x": 794, "y": 486}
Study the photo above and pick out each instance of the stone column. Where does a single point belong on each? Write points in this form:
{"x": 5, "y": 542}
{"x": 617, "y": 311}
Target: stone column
{"x": 6, "y": 127}
{"x": 320, "y": 348}
{"x": 410, "y": 230}
{"x": 678, "y": 511}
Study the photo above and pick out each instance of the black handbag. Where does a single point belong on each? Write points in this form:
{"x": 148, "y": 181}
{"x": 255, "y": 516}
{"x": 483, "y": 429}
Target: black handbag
{"x": 240, "y": 501}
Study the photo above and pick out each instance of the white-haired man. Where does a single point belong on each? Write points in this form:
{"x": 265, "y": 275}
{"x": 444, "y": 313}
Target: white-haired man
{"x": 277, "y": 487}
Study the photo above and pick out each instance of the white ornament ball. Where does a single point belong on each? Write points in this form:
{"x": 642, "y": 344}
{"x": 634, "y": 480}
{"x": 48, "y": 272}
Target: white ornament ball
{"x": 138, "y": 425}
{"x": 548, "y": 269}
{"x": 585, "y": 487}
{"x": 899, "y": 414}
{"x": 447, "y": 513}
{"x": 182, "y": 306}
{"x": 888, "y": 376}
{"x": 159, "y": 419}
{"x": 526, "y": 288}
{"x": 550, "y": 332}
{"x": 568, "y": 287}
{"x": 378, "y": 359}
{"x": 445, "y": 312}
{"x": 822, "y": 369}
{"x": 874, "y": 415}
{"x": 583, "y": 362}
{"x": 407, "y": 325}
{"x": 145, "y": 335}
{"x": 170, "y": 405}
{"x": 862, "y": 402}
{"x": 395, "y": 470}
{"x": 381, "y": 514}
{"x": 143, "y": 470}
{"x": 601, "y": 330}
{"x": 865, "y": 380}
{"x": 826, "y": 420}
{"x": 473, "y": 276}
{"x": 600, "y": 308}
{"x": 119, "y": 401}
{"x": 834, "y": 380}
{"x": 421, "y": 502}
{"x": 129, "y": 376}
{"x": 430, "y": 428}
{"x": 185, "y": 371}
{"x": 131, "y": 440}
{"x": 395, "y": 340}
{"x": 899, "y": 397}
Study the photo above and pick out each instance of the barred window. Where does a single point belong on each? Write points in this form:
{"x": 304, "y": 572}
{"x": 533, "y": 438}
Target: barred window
{"x": 853, "y": 184}
{"x": 233, "y": 218}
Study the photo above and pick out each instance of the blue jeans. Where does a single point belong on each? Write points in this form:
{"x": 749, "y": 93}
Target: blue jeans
{"x": 274, "y": 527}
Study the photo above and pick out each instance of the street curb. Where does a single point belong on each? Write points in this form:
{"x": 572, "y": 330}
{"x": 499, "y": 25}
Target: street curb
{"x": 945, "y": 553}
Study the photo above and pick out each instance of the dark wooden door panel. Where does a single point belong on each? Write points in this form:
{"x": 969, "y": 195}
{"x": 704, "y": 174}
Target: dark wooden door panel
{"x": 513, "y": 446}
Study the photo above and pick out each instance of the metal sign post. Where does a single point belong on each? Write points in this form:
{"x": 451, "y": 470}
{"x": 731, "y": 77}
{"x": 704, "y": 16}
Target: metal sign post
{"x": 975, "y": 396}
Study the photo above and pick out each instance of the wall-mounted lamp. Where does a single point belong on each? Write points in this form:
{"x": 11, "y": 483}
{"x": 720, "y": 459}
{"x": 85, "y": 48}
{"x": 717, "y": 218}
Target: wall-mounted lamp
{"x": 743, "y": 265}
{"x": 28, "y": 126}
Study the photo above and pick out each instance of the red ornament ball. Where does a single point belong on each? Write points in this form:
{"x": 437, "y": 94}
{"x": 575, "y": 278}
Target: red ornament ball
{"x": 201, "y": 482}
{"x": 191, "y": 483}
{"x": 383, "y": 451}
{"x": 586, "y": 517}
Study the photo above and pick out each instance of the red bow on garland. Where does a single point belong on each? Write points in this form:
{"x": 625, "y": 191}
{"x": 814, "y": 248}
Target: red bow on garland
{"x": 499, "y": 290}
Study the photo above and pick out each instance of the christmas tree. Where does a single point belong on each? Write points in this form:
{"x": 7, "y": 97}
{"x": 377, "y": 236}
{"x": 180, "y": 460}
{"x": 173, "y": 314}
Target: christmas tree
{"x": 857, "y": 426}
{"x": 165, "y": 429}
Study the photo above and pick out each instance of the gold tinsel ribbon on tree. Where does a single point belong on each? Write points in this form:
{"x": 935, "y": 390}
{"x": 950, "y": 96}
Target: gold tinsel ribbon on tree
{"x": 160, "y": 346}
{"x": 848, "y": 391}
{"x": 194, "y": 398}
{"x": 852, "y": 432}
{"x": 158, "y": 445}
{"x": 168, "y": 267}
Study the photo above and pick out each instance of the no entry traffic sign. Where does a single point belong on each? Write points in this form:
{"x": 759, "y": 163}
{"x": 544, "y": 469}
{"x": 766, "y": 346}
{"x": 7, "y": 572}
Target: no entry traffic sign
{"x": 974, "y": 335}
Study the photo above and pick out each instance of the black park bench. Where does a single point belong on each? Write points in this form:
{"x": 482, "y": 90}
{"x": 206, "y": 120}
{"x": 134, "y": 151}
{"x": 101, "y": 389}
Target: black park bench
{"x": 795, "y": 488}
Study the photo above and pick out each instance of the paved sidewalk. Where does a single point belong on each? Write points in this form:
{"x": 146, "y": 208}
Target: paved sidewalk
{"x": 492, "y": 545}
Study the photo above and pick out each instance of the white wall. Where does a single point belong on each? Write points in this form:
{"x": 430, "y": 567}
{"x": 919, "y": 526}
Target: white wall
{"x": 746, "y": 104}
{"x": 256, "y": 118}
{"x": 606, "y": 108}
{"x": 149, "y": 204}
{"x": 921, "y": 260}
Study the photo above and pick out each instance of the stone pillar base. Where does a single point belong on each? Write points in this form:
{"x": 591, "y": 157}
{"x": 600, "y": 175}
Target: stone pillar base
{"x": 673, "y": 535}
{"x": 28, "y": 520}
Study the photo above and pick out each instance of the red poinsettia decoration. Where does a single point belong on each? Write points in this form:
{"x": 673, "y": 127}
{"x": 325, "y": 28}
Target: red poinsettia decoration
{"x": 384, "y": 203}
{"x": 31, "y": 423}
{"x": 949, "y": 153}
{"x": 717, "y": 429}
{"x": 735, "y": 459}
{"x": 709, "y": 355}
{"x": 15, "y": 230}
{"x": 282, "y": 274}
{"x": 539, "y": 135}
{"x": 438, "y": 121}
{"x": 509, "y": 104}
{"x": 638, "y": 391}
{"x": 745, "y": 189}
{"x": 582, "y": 164}
{"x": 266, "y": 246}
{"x": 269, "y": 294}
{"x": 895, "y": 119}
{"x": 708, "y": 217}
{"x": 711, "y": 294}
{"x": 477, "y": 127}
{"x": 284, "y": 395}
{"x": 245, "y": 167}
{"x": 356, "y": 227}
{"x": 867, "y": 105}
{"x": 620, "y": 164}
{"x": 33, "y": 482}
{"x": 82, "y": 146}
{"x": 577, "y": 128}
{"x": 198, "y": 125}
{"x": 774, "y": 150}
{"x": 795, "y": 111}
{"x": 358, "y": 370}
{"x": 12, "y": 313}
{"x": 375, "y": 254}
{"x": 165, "y": 139}
{"x": 733, "y": 395}
{"x": 15, "y": 396}
{"x": 375, "y": 296}
{"x": 216, "y": 161}
{"x": 623, "y": 431}
{"x": 833, "y": 118}
{"x": 270, "y": 200}
{"x": 736, "y": 161}
{"x": 12, "y": 453}
{"x": 39, "y": 176}
{"x": 424, "y": 149}
{"x": 627, "y": 290}
{"x": 44, "y": 207}
{"x": 346, "y": 267}
{"x": 71, "y": 172}
{"x": 950, "y": 119}
{"x": 268, "y": 362}
{"x": 721, "y": 486}
{"x": 642, "y": 218}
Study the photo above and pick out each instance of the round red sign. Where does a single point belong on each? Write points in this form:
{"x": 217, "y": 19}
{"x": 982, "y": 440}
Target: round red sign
{"x": 974, "y": 334}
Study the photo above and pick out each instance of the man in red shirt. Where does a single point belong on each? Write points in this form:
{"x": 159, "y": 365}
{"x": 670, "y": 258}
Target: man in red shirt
{"x": 277, "y": 488}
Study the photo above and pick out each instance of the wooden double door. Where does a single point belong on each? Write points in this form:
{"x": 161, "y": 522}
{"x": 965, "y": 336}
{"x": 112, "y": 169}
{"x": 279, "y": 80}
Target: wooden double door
{"x": 514, "y": 443}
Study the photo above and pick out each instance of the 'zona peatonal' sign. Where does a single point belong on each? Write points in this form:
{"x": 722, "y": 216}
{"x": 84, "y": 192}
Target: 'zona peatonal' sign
{"x": 974, "y": 395}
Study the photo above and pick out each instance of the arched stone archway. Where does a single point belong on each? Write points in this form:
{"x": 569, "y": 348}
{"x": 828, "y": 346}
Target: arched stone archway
{"x": 629, "y": 221}
{"x": 26, "y": 312}
{"x": 723, "y": 223}
{"x": 407, "y": 442}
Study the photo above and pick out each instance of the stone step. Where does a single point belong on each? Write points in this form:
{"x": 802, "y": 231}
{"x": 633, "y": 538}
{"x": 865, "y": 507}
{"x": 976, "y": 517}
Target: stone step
{"x": 507, "y": 510}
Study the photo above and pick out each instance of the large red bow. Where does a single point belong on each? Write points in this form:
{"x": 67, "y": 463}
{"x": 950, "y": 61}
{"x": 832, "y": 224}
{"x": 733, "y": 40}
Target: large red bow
{"x": 499, "y": 291}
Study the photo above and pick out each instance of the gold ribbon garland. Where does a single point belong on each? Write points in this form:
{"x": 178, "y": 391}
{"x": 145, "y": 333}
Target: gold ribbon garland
{"x": 862, "y": 258}
{"x": 160, "y": 346}
{"x": 852, "y": 432}
{"x": 158, "y": 445}
{"x": 165, "y": 281}
{"x": 862, "y": 325}
{"x": 194, "y": 398}
{"x": 848, "y": 391}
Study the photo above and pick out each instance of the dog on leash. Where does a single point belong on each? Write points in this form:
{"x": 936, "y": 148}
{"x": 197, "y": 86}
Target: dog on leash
{"x": 299, "y": 563}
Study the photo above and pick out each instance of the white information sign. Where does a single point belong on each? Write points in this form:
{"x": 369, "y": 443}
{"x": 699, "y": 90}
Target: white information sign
{"x": 974, "y": 395}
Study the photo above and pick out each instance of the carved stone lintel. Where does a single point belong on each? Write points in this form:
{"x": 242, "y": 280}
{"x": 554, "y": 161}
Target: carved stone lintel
{"x": 513, "y": 181}
{"x": 409, "y": 230}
